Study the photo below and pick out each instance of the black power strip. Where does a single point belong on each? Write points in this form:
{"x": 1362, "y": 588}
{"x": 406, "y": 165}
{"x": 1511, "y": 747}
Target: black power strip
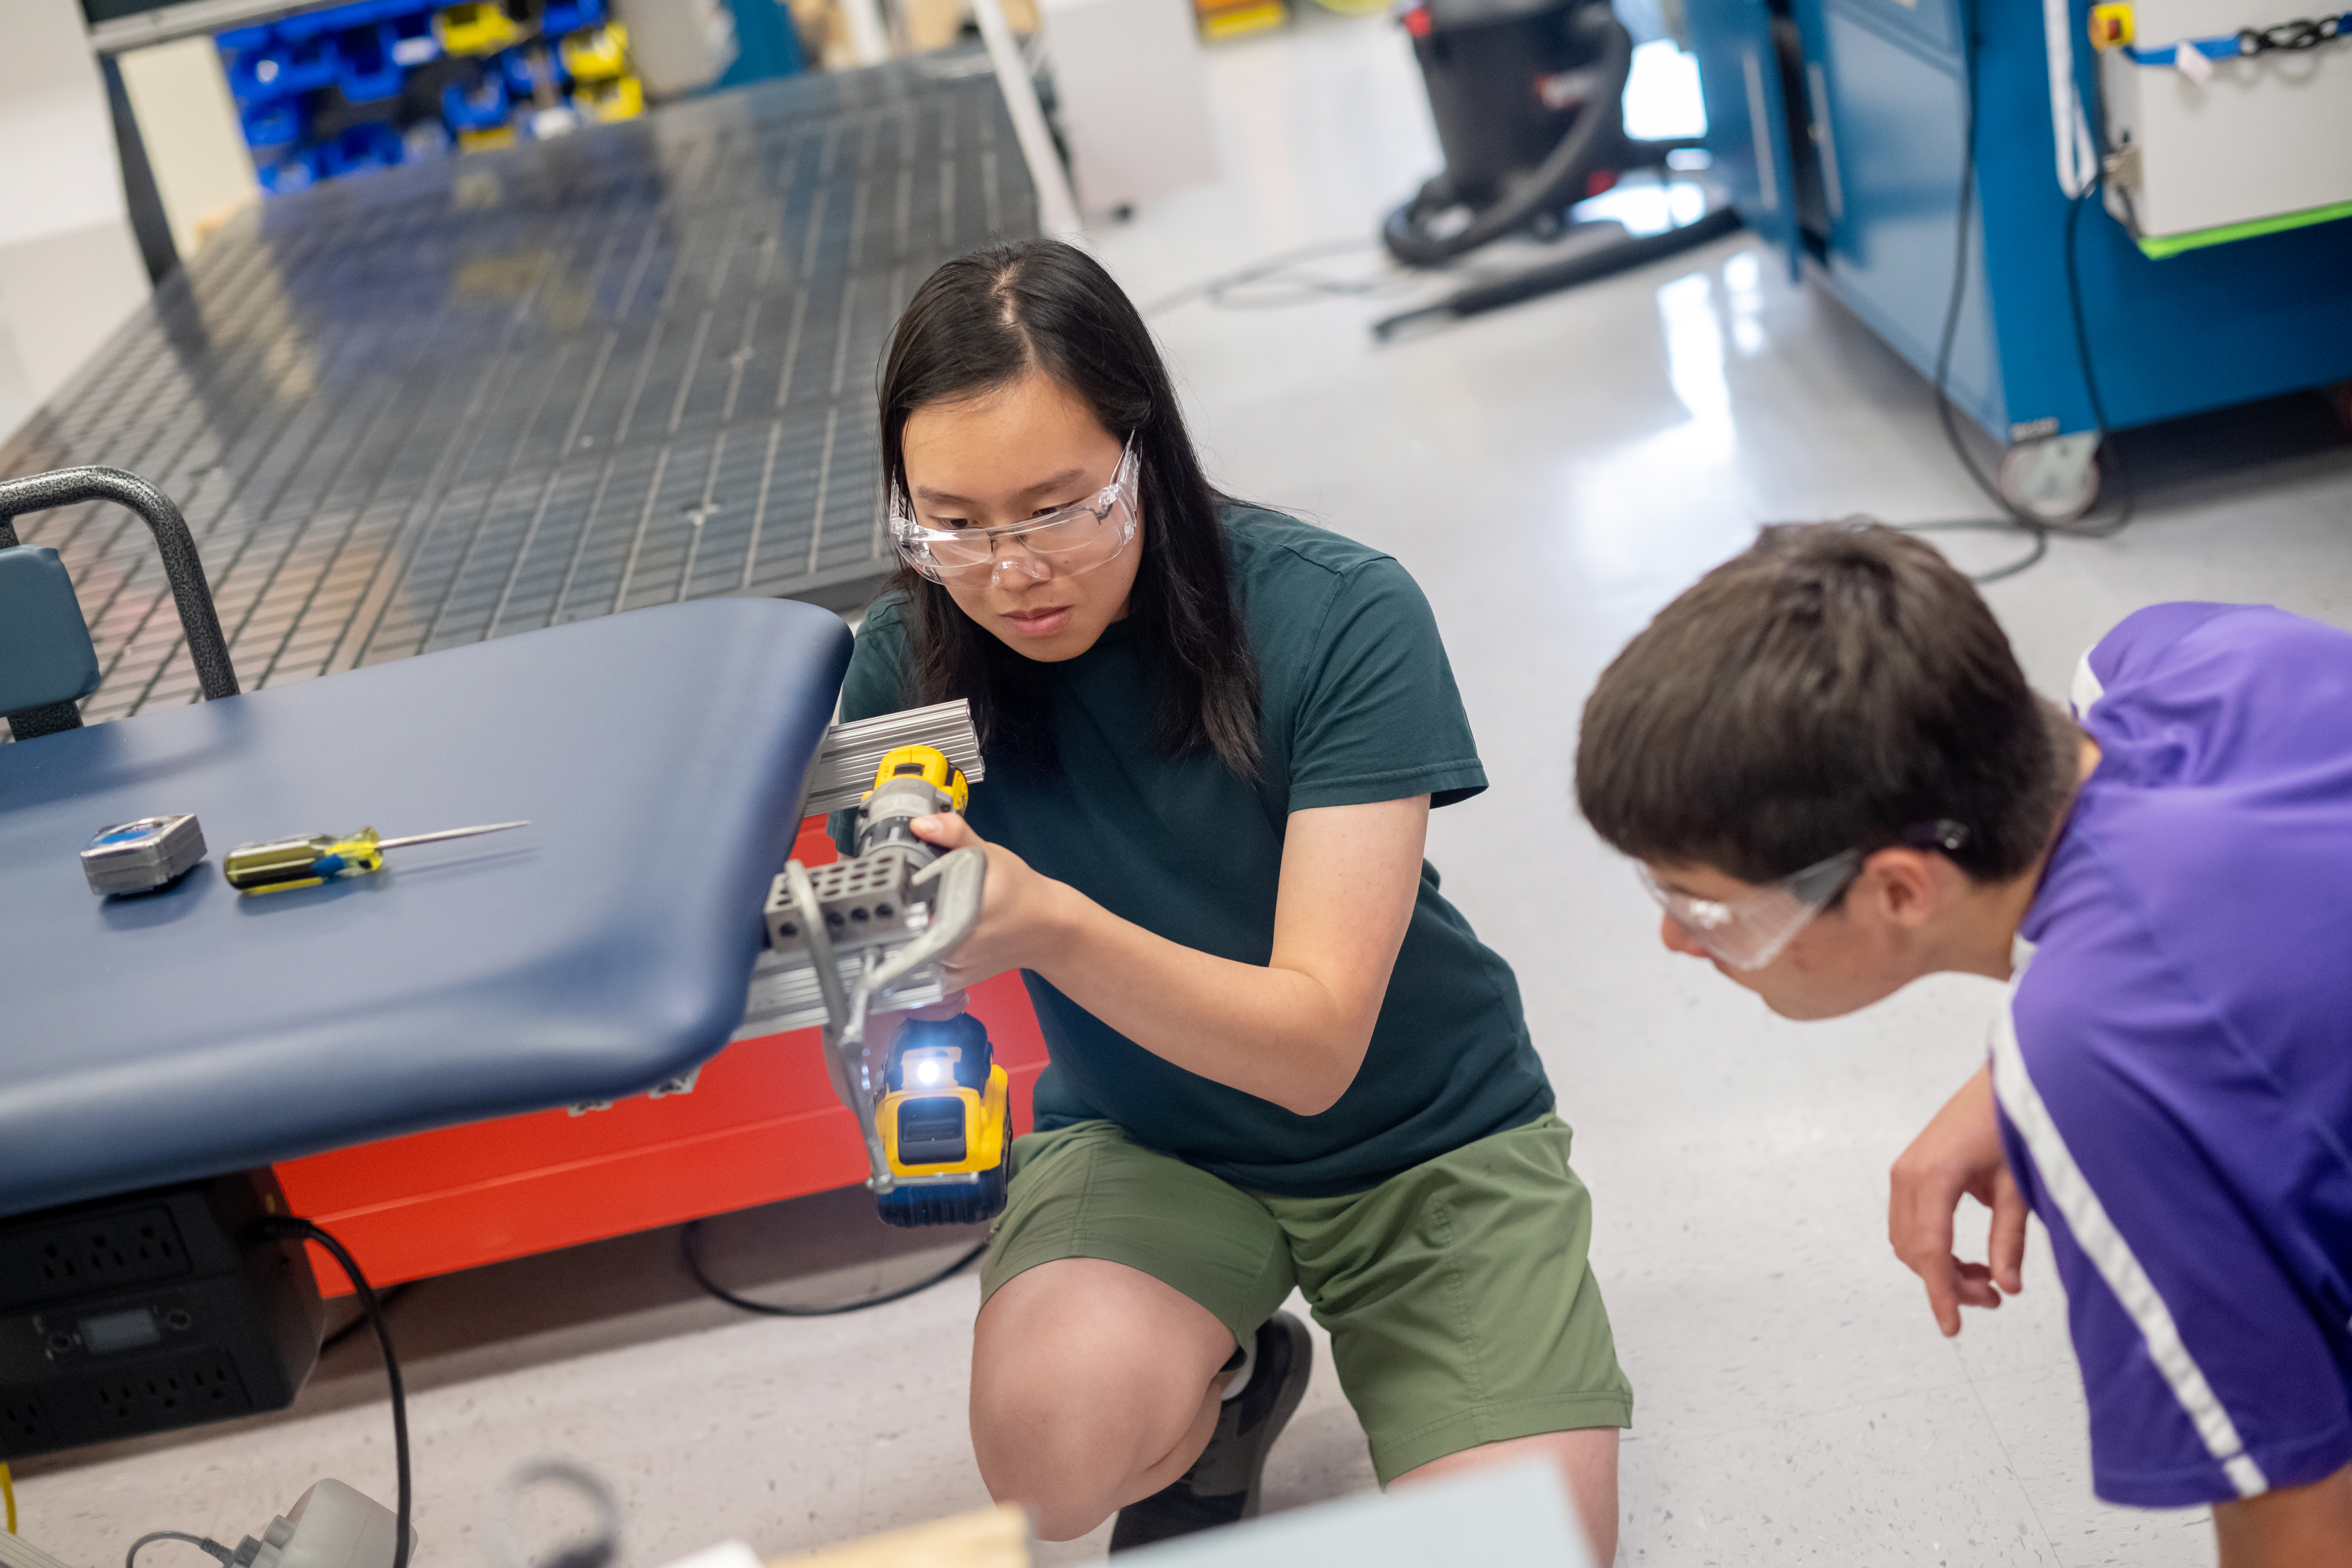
{"x": 149, "y": 1311}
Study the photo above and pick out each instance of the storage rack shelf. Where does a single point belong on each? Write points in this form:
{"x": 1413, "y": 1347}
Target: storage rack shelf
{"x": 370, "y": 84}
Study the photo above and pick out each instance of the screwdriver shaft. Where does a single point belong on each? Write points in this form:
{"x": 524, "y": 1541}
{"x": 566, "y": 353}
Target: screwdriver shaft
{"x": 448, "y": 833}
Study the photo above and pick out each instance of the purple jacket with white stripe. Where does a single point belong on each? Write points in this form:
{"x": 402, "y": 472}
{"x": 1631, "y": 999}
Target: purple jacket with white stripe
{"x": 2175, "y": 1066}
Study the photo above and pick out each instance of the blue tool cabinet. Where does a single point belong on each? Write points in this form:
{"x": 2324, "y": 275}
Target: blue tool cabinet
{"x": 1838, "y": 127}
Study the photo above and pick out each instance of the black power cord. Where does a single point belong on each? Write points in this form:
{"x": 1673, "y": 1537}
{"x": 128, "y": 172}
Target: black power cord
{"x": 2016, "y": 520}
{"x": 2125, "y": 498}
{"x": 384, "y": 1297}
{"x": 372, "y": 1307}
{"x": 690, "y": 1245}
{"x": 1225, "y": 291}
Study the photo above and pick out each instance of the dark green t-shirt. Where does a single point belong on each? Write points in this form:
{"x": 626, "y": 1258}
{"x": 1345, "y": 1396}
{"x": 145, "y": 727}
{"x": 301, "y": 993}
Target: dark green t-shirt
{"x": 1359, "y": 705}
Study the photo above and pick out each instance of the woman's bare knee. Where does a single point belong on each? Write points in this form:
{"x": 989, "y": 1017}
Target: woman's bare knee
{"x": 1085, "y": 1376}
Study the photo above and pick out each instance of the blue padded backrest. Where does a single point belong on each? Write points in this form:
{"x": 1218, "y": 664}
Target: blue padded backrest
{"x": 46, "y": 655}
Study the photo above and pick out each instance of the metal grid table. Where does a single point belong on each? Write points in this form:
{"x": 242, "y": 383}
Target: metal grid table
{"x": 455, "y": 402}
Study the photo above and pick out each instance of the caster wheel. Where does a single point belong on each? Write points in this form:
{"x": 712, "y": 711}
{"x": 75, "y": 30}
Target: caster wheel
{"x": 2055, "y": 480}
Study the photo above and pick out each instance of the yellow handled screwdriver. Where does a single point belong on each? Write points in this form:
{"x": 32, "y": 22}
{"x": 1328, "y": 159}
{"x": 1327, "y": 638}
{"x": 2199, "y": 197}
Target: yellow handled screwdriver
{"x": 284, "y": 864}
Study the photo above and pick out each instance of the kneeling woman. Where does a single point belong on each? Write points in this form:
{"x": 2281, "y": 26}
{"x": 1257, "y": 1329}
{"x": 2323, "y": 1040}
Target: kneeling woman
{"x": 1280, "y": 1058}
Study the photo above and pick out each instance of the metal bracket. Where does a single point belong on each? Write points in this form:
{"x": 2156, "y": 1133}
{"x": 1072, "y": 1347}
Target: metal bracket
{"x": 845, "y": 988}
{"x": 848, "y": 757}
{"x": 805, "y": 981}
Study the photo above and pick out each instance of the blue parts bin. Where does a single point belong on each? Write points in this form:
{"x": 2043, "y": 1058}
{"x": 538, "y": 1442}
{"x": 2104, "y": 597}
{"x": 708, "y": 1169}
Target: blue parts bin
{"x": 413, "y": 43}
{"x": 286, "y": 175}
{"x": 359, "y": 149}
{"x": 482, "y": 109}
{"x": 559, "y": 17}
{"x": 272, "y": 128}
{"x": 528, "y": 73}
{"x": 283, "y": 69}
{"x": 45, "y": 654}
{"x": 331, "y": 19}
{"x": 369, "y": 73}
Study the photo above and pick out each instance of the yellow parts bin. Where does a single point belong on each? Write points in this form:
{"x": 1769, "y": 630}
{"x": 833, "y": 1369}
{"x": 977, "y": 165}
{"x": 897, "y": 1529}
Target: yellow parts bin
{"x": 596, "y": 54}
{"x": 475, "y": 27}
{"x": 609, "y": 100}
{"x": 2110, "y": 27}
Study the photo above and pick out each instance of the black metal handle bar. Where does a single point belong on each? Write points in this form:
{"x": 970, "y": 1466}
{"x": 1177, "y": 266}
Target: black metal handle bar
{"x": 65, "y": 487}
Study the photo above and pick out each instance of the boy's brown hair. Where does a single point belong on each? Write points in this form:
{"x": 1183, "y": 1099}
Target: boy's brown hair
{"x": 1839, "y": 686}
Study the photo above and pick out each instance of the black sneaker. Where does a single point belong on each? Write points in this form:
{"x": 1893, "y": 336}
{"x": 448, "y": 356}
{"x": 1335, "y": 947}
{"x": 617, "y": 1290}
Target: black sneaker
{"x": 1222, "y": 1487}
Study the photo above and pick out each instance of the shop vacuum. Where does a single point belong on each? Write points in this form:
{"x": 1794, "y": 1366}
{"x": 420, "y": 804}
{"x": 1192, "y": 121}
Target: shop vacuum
{"x": 1528, "y": 99}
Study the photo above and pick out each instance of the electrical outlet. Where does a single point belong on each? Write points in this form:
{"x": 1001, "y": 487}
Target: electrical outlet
{"x": 21, "y": 1422}
{"x": 101, "y": 1253}
{"x": 191, "y": 1388}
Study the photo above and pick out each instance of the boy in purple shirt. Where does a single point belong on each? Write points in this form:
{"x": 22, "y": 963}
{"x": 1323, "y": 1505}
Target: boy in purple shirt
{"x": 1835, "y": 779}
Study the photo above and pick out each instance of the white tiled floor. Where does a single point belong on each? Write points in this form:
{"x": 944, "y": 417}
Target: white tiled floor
{"x": 1551, "y": 474}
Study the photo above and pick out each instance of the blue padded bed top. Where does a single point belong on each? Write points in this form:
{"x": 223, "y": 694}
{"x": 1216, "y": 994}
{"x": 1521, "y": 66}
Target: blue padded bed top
{"x": 659, "y": 757}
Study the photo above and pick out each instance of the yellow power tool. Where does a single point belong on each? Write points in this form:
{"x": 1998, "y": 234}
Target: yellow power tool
{"x": 935, "y": 1116}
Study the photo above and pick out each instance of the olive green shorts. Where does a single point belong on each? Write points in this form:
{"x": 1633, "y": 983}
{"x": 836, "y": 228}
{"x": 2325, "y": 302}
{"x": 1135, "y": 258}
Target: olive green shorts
{"x": 1459, "y": 1302}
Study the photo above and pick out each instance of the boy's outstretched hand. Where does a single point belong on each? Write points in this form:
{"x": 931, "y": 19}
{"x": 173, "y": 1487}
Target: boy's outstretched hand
{"x": 1959, "y": 1153}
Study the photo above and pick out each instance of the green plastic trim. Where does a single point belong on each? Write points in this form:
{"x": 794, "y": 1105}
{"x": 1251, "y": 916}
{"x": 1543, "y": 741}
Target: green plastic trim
{"x": 2174, "y": 244}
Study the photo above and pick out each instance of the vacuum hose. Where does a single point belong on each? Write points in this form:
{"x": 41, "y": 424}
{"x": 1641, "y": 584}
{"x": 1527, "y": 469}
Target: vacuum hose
{"x": 1554, "y": 184}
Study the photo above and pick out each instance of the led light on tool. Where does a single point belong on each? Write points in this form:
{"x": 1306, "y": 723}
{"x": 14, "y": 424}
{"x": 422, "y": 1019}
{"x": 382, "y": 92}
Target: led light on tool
{"x": 930, "y": 1067}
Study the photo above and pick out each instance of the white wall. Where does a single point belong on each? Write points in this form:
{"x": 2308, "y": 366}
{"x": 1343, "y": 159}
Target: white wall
{"x": 1134, "y": 100}
{"x": 69, "y": 269}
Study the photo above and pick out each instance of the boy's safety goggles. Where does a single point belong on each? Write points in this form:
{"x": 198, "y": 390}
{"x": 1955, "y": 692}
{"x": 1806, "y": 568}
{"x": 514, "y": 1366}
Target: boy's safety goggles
{"x": 1752, "y": 929}
{"x": 1061, "y": 543}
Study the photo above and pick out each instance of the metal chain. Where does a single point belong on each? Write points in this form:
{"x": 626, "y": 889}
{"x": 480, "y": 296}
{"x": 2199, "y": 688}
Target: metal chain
{"x": 2304, "y": 32}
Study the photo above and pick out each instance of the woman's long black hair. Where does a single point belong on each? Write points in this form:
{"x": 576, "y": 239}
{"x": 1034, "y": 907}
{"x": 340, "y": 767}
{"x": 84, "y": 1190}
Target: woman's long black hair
{"x": 984, "y": 320}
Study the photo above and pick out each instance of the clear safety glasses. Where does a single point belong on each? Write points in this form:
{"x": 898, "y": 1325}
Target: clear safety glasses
{"x": 1061, "y": 543}
{"x": 1752, "y": 929}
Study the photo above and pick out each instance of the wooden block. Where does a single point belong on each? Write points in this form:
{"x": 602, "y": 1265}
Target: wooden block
{"x": 991, "y": 1538}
